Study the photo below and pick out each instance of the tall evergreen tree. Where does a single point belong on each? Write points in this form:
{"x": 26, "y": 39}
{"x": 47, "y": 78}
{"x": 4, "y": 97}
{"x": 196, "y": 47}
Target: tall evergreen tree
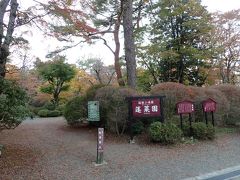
{"x": 179, "y": 32}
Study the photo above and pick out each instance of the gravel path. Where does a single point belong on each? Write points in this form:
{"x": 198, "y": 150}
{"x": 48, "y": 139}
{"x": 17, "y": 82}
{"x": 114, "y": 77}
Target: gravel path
{"x": 49, "y": 149}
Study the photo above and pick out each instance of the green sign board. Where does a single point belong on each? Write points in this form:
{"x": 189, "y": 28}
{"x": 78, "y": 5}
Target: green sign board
{"x": 93, "y": 111}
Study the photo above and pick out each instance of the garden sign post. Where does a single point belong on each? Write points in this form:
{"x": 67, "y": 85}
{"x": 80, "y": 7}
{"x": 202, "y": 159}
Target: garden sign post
{"x": 100, "y": 146}
{"x": 209, "y": 105}
{"x": 185, "y": 107}
{"x": 93, "y": 111}
{"x": 144, "y": 107}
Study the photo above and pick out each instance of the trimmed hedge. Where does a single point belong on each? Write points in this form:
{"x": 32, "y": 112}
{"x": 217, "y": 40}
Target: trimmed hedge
{"x": 49, "y": 113}
{"x": 232, "y": 93}
{"x": 176, "y": 92}
{"x": 43, "y": 113}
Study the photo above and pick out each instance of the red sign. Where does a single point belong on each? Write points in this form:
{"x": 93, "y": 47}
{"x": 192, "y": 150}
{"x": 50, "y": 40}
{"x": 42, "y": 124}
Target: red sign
{"x": 209, "y": 105}
{"x": 100, "y": 139}
{"x": 146, "y": 107}
{"x": 185, "y": 107}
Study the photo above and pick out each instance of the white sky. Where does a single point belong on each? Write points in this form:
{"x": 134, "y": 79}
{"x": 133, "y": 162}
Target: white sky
{"x": 42, "y": 45}
{"x": 221, "y": 5}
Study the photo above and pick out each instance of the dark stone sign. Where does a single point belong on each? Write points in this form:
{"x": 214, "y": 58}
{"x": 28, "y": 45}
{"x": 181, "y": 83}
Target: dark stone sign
{"x": 185, "y": 107}
{"x": 209, "y": 105}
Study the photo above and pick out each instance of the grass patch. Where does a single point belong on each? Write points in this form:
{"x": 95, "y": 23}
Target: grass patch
{"x": 226, "y": 130}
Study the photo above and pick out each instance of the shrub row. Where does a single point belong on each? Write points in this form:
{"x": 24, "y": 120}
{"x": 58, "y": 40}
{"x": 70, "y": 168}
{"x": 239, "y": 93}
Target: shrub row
{"x": 114, "y": 107}
{"x": 169, "y": 133}
{"x": 48, "y": 110}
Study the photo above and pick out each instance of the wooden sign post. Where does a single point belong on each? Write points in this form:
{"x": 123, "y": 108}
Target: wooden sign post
{"x": 185, "y": 107}
{"x": 100, "y": 146}
{"x": 209, "y": 105}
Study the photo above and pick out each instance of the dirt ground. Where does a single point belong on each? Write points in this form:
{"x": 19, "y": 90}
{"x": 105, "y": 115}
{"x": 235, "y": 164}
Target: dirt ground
{"x": 48, "y": 148}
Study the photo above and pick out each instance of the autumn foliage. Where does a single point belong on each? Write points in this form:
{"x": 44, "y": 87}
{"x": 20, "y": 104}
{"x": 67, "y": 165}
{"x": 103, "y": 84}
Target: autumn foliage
{"x": 176, "y": 92}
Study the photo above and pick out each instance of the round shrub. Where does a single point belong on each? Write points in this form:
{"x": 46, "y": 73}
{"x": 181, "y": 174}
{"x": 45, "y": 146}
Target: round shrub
{"x": 75, "y": 109}
{"x": 137, "y": 127}
{"x": 199, "y": 130}
{"x": 43, "y": 113}
{"x": 54, "y": 113}
{"x": 167, "y": 133}
{"x": 203, "y": 131}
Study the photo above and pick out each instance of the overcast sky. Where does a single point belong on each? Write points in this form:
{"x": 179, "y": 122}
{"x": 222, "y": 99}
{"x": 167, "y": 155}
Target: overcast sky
{"x": 42, "y": 45}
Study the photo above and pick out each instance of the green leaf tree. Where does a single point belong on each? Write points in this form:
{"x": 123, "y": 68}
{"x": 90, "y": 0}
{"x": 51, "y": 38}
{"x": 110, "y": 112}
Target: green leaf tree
{"x": 179, "y": 34}
{"x": 57, "y": 74}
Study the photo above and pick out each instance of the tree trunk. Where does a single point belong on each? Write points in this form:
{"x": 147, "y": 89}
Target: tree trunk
{"x": 4, "y": 52}
{"x": 4, "y": 45}
{"x": 116, "y": 53}
{"x": 129, "y": 42}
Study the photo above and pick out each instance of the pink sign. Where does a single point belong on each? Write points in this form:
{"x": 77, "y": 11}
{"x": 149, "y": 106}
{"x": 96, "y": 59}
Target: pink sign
{"x": 185, "y": 107}
{"x": 146, "y": 107}
{"x": 209, "y": 105}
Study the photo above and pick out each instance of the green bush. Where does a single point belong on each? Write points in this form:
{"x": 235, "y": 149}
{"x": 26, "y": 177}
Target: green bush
{"x": 76, "y": 108}
{"x": 54, "y": 113}
{"x": 50, "y": 106}
{"x": 13, "y": 104}
{"x": 203, "y": 131}
{"x": 43, "y": 113}
{"x": 137, "y": 128}
{"x": 186, "y": 129}
{"x": 199, "y": 130}
{"x": 166, "y": 133}
{"x": 48, "y": 113}
{"x": 210, "y": 132}
{"x": 60, "y": 108}
{"x": 114, "y": 107}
